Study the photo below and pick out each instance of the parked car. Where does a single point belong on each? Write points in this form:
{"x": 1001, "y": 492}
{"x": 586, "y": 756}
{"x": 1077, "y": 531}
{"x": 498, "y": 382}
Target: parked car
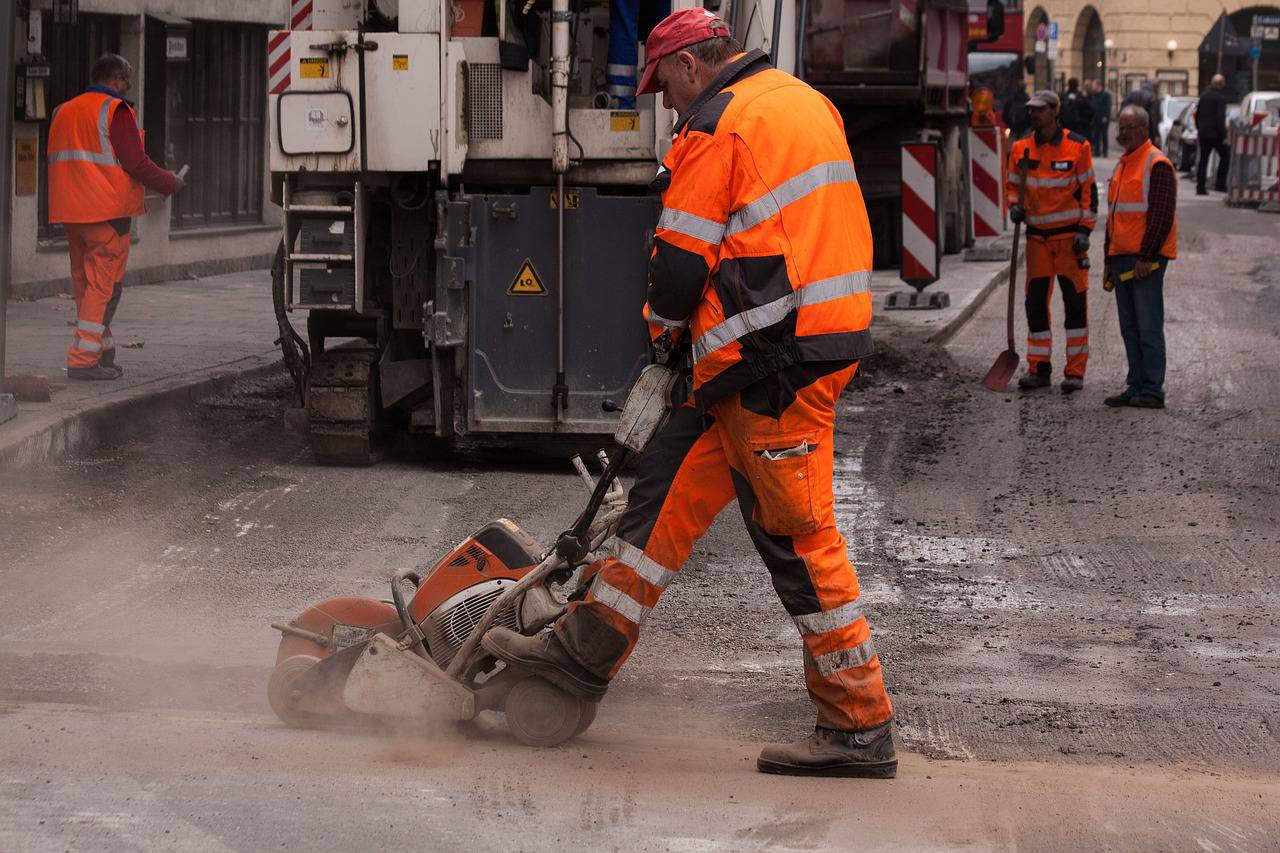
{"x": 1171, "y": 107}
{"x": 1260, "y": 108}
{"x": 1179, "y": 143}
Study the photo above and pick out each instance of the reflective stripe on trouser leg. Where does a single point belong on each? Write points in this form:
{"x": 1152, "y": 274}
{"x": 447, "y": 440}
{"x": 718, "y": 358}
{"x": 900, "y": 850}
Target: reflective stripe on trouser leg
{"x": 811, "y": 571}
{"x": 98, "y": 259}
{"x": 1039, "y": 337}
{"x": 1075, "y": 303}
{"x": 682, "y": 484}
{"x": 624, "y": 51}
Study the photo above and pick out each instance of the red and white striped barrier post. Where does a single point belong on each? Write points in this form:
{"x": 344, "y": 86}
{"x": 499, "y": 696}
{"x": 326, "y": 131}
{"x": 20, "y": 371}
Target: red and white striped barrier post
{"x": 279, "y": 61}
{"x": 984, "y": 181}
{"x": 1255, "y": 162}
{"x": 921, "y": 247}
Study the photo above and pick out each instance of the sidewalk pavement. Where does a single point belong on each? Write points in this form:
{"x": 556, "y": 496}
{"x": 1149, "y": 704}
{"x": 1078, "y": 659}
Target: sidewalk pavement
{"x": 179, "y": 340}
{"x": 184, "y": 339}
{"x": 967, "y": 283}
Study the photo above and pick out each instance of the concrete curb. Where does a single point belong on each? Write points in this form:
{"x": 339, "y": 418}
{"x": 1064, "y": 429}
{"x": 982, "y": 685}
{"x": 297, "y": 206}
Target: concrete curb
{"x": 957, "y": 322}
{"x": 44, "y": 440}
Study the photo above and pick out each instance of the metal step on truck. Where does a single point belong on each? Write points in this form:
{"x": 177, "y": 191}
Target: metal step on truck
{"x": 467, "y": 212}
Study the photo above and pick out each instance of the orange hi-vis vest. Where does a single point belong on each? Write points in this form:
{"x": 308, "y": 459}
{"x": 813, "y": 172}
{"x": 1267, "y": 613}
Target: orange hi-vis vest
{"x": 86, "y": 181}
{"x": 763, "y": 249}
{"x": 1128, "y": 192}
{"x": 1061, "y": 197}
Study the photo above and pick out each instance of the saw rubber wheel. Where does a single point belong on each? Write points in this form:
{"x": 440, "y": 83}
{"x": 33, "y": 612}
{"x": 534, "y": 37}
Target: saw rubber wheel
{"x": 281, "y": 687}
{"x": 541, "y": 714}
{"x": 587, "y": 716}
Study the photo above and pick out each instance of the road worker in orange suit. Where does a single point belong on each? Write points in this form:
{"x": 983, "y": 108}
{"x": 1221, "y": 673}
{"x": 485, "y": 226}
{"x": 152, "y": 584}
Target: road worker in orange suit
{"x": 762, "y": 261}
{"x": 97, "y": 170}
{"x": 1060, "y": 208}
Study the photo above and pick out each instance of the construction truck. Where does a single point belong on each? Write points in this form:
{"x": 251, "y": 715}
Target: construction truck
{"x": 467, "y": 212}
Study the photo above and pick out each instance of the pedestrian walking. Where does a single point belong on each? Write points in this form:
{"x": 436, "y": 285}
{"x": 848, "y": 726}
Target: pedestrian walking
{"x": 1077, "y": 114}
{"x": 1059, "y": 207}
{"x": 1211, "y": 131}
{"x": 1014, "y": 112}
{"x": 1145, "y": 96}
{"x": 762, "y": 260}
{"x": 1100, "y": 132}
{"x": 1141, "y": 240}
{"x": 97, "y": 170}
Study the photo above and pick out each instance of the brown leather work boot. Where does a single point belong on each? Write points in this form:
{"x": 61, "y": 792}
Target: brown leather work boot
{"x": 542, "y": 654}
{"x": 865, "y": 754}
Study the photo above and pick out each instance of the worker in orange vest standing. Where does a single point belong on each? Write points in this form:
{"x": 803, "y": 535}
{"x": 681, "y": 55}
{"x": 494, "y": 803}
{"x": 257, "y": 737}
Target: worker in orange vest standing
{"x": 97, "y": 171}
{"x": 1059, "y": 206}
{"x": 762, "y": 261}
{"x": 1142, "y": 238}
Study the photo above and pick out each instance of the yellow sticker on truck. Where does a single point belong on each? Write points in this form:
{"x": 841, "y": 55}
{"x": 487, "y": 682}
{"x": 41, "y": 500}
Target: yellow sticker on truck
{"x": 572, "y": 200}
{"x": 312, "y": 68}
{"x": 527, "y": 281}
{"x": 624, "y": 121}
{"x": 399, "y": 62}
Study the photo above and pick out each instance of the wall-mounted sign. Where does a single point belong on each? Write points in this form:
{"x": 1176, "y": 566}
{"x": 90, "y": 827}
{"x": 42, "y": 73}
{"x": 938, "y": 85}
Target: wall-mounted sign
{"x": 175, "y": 47}
{"x": 26, "y": 170}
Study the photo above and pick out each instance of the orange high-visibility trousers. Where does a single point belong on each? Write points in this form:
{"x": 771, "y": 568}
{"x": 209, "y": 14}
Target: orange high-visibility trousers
{"x": 780, "y": 470}
{"x": 98, "y": 258}
{"x": 1047, "y": 259}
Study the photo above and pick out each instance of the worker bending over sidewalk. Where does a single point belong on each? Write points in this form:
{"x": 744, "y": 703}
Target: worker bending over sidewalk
{"x": 762, "y": 260}
{"x": 1059, "y": 206}
{"x": 97, "y": 171}
{"x": 1142, "y": 237}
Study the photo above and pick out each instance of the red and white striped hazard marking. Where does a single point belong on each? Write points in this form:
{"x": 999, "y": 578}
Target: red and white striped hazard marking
{"x": 1255, "y": 166}
{"x": 278, "y": 62}
{"x": 920, "y": 249}
{"x": 984, "y": 181}
{"x": 300, "y": 15}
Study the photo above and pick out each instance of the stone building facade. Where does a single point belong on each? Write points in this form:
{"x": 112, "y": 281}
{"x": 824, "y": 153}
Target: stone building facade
{"x": 1126, "y": 41}
{"x": 200, "y": 91}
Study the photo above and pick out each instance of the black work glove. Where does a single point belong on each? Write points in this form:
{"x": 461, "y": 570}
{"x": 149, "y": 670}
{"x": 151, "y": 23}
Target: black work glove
{"x": 1080, "y": 245}
{"x": 1017, "y": 213}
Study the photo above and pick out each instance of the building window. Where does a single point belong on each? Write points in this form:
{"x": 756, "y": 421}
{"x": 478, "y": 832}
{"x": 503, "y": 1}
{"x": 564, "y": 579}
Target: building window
{"x": 216, "y": 113}
{"x": 71, "y": 49}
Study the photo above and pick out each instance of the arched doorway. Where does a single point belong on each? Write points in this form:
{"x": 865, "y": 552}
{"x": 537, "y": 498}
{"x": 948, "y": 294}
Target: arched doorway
{"x": 1227, "y": 51}
{"x": 1037, "y": 17}
{"x": 1089, "y": 46}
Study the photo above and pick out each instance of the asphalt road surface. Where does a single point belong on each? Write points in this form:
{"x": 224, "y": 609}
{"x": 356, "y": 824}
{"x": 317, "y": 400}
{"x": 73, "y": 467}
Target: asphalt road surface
{"x": 1076, "y": 608}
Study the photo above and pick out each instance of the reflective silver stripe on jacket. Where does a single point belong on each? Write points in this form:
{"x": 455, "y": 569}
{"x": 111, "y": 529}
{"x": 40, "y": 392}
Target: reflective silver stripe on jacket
{"x": 792, "y": 189}
{"x": 90, "y": 326}
{"x": 1050, "y": 218}
{"x": 838, "y": 661}
{"x": 105, "y": 155}
{"x": 1068, "y": 181}
{"x": 646, "y": 567}
{"x": 691, "y": 226}
{"x": 618, "y": 601}
{"x": 658, "y": 320}
{"x": 829, "y": 620}
{"x": 763, "y": 316}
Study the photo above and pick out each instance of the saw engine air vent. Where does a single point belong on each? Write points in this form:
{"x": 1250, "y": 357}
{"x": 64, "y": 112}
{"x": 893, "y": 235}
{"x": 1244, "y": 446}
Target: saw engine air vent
{"x": 449, "y": 625}
{"x": 472, "y": 554}
{"x": 484, "y": 100}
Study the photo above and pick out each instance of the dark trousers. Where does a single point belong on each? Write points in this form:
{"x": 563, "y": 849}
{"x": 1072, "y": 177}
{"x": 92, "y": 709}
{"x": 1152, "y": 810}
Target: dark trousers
{"x": 1140, "y": 307}
{"x": 1099, "y": 138}
{"x": 1224, "y": 155}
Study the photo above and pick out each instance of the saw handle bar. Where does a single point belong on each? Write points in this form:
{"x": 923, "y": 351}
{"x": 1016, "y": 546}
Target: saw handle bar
{"x": 575, "y": 543}
{"x": 413, "y": 634}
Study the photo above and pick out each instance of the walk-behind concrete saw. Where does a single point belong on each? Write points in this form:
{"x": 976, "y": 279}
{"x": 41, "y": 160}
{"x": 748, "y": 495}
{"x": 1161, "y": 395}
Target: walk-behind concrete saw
{"x": 420, "y": 659}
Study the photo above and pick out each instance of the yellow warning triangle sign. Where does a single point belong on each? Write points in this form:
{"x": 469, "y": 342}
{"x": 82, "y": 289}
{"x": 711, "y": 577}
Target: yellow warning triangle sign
{"x": 527, "y": 282}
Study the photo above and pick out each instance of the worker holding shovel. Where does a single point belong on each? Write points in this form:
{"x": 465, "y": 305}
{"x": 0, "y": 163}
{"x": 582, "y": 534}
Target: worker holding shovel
{"x": 1059, "y": 205}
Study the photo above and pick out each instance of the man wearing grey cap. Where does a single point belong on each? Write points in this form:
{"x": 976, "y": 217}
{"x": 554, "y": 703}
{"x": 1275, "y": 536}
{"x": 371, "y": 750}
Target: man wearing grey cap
{"x": 1059, "y": 204}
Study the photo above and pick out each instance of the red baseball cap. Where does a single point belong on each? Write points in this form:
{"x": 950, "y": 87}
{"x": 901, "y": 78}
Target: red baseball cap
{"x": 677, "y": 30}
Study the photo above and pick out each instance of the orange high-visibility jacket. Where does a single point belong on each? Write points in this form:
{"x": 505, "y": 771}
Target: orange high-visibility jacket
{"x": 1061, "y": 195}
{"x": 86, "y": 181}
{"x": 763, "y": 249}
{"x": 1127, "y": 195}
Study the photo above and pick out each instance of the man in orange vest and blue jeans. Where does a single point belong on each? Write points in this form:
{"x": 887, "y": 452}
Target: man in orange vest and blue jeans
{"x": 762, "y": 261}
{"x": 97, "y": 170}
{"x": 1142, "y": 238}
